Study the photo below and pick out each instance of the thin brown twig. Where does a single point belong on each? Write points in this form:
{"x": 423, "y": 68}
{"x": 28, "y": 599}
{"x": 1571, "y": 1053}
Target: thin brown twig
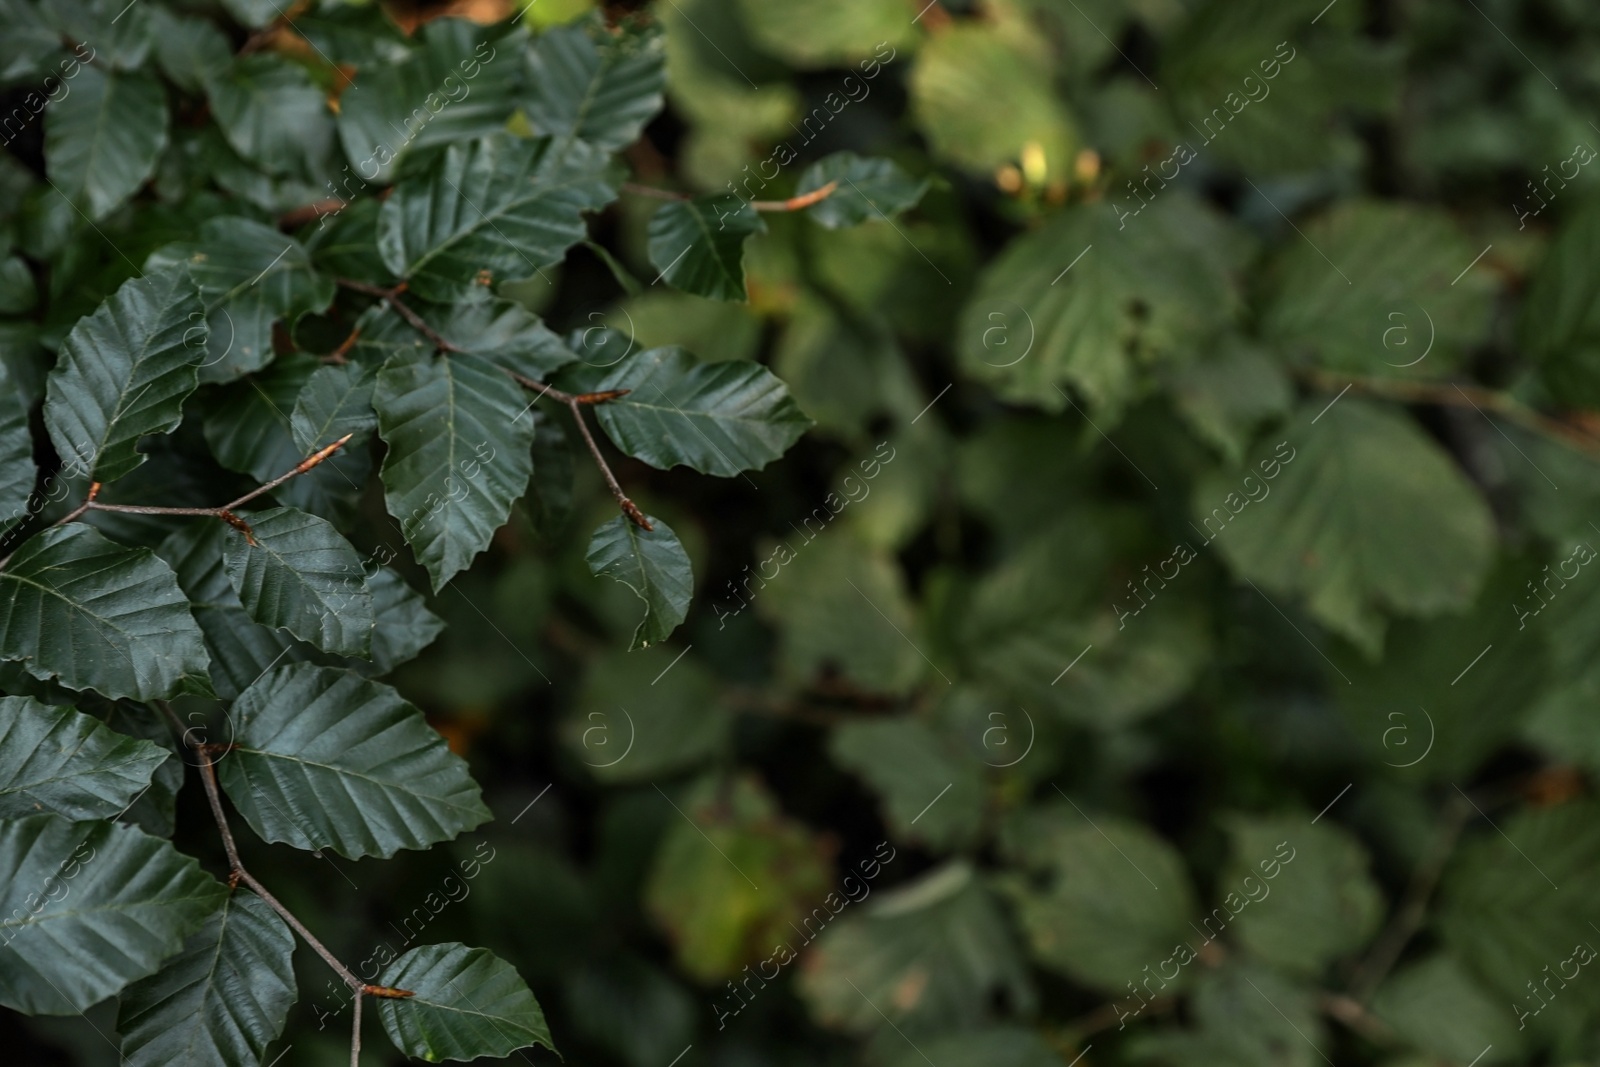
{"x": 392, "y": 298}
{"x": 355, "y": 1033}
{"x": 793, "y": 203}
{"x": 629, "y": 508}
{"x": 341, "y": 354}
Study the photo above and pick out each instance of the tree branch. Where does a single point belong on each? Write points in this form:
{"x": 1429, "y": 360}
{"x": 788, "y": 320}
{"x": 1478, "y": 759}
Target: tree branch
{"x": 794, "y": 203}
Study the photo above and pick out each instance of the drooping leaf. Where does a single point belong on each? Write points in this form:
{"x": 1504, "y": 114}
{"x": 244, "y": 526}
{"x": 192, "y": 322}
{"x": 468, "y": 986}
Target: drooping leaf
{"x": 124, "y": 372}
{"x": 865, "y": 189}
{"x": 250, "y": 276}
{"x": 1366, "y": 513}
{"x": 491, "y": 210}
{"x": 698, "y": 245}
{"x": 468, "y": 1003}
{"x": 58, "y": 760}
{"x": 89, "y": 907}
{"x": 327, "y": 759}
{"x": 17, "y": 469}
{"x": 223, "y": 999}
{"x": 302, "y": 576}
{"x": 95, "y": 615}
{"x": 717, "y": 418}
{"x": 103, "y": 138}
{"x": 591, "y": 83}
{"x": 460, "y": 440}
{"x": 653, "y": 564}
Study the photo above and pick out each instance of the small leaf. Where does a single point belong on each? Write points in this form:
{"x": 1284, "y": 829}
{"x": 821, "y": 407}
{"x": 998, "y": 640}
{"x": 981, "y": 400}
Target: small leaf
{"x": 124, "y": 372}
{"x": 302, "y": 576}
{"x": 698, "y": 245}
{"x": 57, "y": 760}
{"x": 717, "y": 418}
{"x": 327, "y": 759}
{"x": 103, "y": 138}
{"x": 460, "y": 439}
{"x": 87, "y": 907}
{"x": 492, "y": 210}
{"x": 95, "y": 615}
{"x": 865, "y": 189}
{"x": 595, "y": 84}
{"x": 468, "y": 1003}
{"x": 223, "y": 999}
{"x": 654, "y": 565}
{"x": 336, "y": 400}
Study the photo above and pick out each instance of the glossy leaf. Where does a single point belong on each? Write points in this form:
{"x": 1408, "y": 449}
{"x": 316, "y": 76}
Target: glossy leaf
{"x": 223, "y": 999}
{"x": 460, "y": 441}
{"x": 404, "y": 626}
{"x": 58, "y": 760}
{"x": 302, "y": 576}
{"x": 89, "y": 907}
{"x": 698, "y": 245}
{"x": 654, "y": 565}
{"x": 92, "y": 614}
{"x": 336, "y": 400}
{"x": 327, "y": 759}
{"x": 468, "y": 1003}
{"x": 601, "y": 86}
{"x": 125, "y": 372}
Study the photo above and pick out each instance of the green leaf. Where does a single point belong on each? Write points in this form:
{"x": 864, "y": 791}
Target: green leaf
{"x": 89, "y": 907}
{"x": 57, "y": 760}
{"x": 103, "y": 138}
{"x": 929, "y": 793}
{"x": 253, "y": 13}
{"x": 867, "y": 189}
{"x": 623, "y": 739}
{"x": 653, "y": 564}
{"x": 17, "y": 469}
{"x": 1391, "y": 302}
{"x": 18, "y": 293}
{"x": 1117, "y": 897}
{"x": 468, "y": 1003}
{"x": 698, "y": 245}
{"x": 1322, "y": 904}
{"x": 1438, "y": 1007}
{"x": 549, "y": 499}
{"x": 404, "y": 627}
{"x": 302, "y": 576}
{"x": 190, "y": 51}
{"x": 501, "y": 331}
{"x": 460, "y": 84}
{"x": 124, "y": 372}
{"x": 1145, "y": 291}
{"x": 828, "y": 33}
{"x": 933, "y": 954}
{"x": 223, "y": 999}
{"x": 1367, "y": 513}
{"x": 95, "y": 615}
{"x": 460, "y": 441}
{"x": 327, "y": 759}
{"x": 491, "y": 210}
{"x": 717, "y": 418}
{"x": 250, "y": 276}
{"x": 999, "y": 1046}
{"x": 595, "y": 84}
{"x": 336, "y": 400}
{"x": 1560, "y": 321}
{"x": 272, "y": 114}
{"x": 1229, "y": 394}
{"x": 1248, "y": 1016}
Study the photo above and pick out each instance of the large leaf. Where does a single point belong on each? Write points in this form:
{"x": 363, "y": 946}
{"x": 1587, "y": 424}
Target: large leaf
{"x": 1437, "y": 1005}
{"x": 468, "y": 1003}
{"x": 124, "y": 372}
{"x": 327, "y": 759}
{"x": 250, "y": 277}
{"x": 17, "y": 469}
{"x": 95, "y": 615}
{"x": 89, "y": 907}
{"x": 698, "y": 245}
{"x": 488, "y": 211}
{"x": 654, "y": 565}
{"x": 404, "y": 626}
{"x": 102, "y": 139}
{"x": 718, "y": 418}
{"x": 1088, "y": 301}
{"x": 460, "y": 440}
{"x": 57, "y": 760}
{"x": 1366, "y": 513}
{"x": 590, "y": 83}
{"x": 221, "y": 1000}
{"x": 302, "y": 576}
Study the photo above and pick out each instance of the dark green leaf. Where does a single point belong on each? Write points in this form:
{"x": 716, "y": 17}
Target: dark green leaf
{"x": 336, "y": 400}
{"x": 910, "y": 767}
{"x": 1437, "y": 1005}
{"x": 57, "y": 760}
{"x": 865, "y": 189}
{"x": 469, "y": 1003}
{"x": 89, "y": 907}
{"x": 302, "y": 576}
{"x": 327, "y": 759}
{"x": 698, "y": 245}
{"x": 190, "y": 51}
{"x": 17, "y": 469}
{"x": 271, "y": 113}
{"x": 103, "y": 138}
{"x": 600, "y": 85}
{"x": 404, "y": 627}
{"x": 654, "y": 565}
{"x": 549, "y": 499}
{"x": 1560, "y": 321}
{"x": 96, "y": 615}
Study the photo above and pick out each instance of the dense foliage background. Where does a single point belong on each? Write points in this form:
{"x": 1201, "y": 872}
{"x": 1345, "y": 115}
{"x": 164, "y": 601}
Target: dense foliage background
{"x": 1171, "y": 640}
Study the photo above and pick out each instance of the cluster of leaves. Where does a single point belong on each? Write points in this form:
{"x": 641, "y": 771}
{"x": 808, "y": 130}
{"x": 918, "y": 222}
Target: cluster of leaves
{"x": 1179, "y": 562}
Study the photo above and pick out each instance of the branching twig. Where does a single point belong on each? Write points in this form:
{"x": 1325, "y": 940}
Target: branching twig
{"x": 794, "y": 203}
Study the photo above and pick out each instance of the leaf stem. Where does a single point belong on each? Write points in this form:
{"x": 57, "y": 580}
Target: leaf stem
{"x": 794, "y": 203}
{"x": 392, "y": 298}
{"x": 629, "y": 508}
